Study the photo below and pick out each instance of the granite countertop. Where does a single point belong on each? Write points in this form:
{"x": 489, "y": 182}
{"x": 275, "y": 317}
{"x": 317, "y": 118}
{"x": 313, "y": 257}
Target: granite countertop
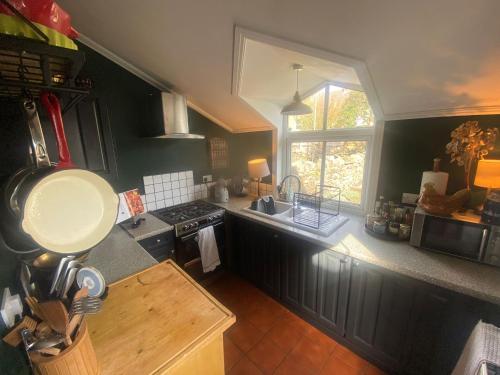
{"x": 477, "y": 280}
{"x": 119, "y": 256}
{"x": 151, "y": 226}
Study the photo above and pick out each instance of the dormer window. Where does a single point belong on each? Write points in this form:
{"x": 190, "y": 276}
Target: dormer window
{"x": 331, "y": 146}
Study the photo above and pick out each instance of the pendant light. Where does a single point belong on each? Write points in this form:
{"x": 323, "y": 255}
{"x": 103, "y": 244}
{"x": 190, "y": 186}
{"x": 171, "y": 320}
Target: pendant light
{"x": 296, "y": 107}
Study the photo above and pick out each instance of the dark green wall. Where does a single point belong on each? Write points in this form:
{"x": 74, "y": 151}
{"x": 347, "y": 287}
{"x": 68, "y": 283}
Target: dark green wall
{"x": 409, "y": 147}
{"x": 129, "y": 100}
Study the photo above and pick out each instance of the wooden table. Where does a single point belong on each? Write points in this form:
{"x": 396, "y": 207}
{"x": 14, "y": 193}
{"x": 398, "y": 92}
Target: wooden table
{"x": 160, "y": 321}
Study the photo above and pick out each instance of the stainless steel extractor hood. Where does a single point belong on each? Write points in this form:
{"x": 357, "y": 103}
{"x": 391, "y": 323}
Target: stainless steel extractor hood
{"x": 175, "y": 117}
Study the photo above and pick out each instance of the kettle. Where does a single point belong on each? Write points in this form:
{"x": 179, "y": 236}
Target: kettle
{"x": 221, "y": 194}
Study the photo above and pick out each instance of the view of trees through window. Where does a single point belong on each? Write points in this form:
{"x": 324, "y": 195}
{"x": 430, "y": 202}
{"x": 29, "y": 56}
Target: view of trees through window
{"x": 344, "y": 160}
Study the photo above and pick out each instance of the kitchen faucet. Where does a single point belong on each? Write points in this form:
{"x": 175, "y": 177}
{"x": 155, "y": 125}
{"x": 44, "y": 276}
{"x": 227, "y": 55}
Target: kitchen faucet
{"x": 285, "y": 195}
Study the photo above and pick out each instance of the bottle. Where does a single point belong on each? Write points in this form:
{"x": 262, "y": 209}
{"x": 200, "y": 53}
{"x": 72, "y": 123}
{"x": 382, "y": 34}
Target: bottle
{"x": 381, "y": 207}
{"x": 376, "y": 210}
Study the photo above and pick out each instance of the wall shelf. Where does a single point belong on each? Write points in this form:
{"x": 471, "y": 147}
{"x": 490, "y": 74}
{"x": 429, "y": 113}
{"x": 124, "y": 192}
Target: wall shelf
{"x": 28, "y": 67}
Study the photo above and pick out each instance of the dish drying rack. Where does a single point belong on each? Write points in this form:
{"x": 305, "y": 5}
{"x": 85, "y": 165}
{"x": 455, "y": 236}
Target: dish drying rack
{"x": 316, "y": 210}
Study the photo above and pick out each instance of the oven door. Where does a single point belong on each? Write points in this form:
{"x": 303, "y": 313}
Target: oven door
{"x": 459, "y": 238}
{"x": 188, "y": 252}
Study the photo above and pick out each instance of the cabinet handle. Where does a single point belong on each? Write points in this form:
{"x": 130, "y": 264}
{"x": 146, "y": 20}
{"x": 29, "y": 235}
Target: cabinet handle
{"x": 355, "y": 263}
{"x": 158, "y": 241}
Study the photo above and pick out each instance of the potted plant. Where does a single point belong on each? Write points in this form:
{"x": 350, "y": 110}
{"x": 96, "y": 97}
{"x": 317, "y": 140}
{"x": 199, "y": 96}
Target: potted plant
{"x": 470, "y": 143}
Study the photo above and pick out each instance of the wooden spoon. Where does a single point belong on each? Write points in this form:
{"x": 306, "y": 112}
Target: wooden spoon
{"x": 55, "y": 314}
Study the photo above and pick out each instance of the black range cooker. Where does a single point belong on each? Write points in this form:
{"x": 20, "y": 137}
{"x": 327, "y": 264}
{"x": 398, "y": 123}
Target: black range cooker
{"x": 188, "y": 219}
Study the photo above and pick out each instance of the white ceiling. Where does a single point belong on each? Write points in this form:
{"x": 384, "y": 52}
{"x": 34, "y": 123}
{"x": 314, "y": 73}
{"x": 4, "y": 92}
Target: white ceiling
{"x": 424, "y": 57}
{"x": 268, "y": 83}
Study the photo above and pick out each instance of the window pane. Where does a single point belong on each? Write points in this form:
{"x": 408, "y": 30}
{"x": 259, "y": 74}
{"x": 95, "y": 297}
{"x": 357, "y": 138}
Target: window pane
{"x": 345, "y": 164}
{"x": 313, "y": 121}
{"x": 306, "y": 163}
{"x": 348, "y": 109}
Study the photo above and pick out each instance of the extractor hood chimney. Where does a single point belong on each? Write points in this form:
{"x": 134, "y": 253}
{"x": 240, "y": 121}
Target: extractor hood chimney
{"x": 175, "y": 117}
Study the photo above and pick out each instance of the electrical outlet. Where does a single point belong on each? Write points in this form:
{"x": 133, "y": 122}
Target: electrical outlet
{"x": 207, "y": 178}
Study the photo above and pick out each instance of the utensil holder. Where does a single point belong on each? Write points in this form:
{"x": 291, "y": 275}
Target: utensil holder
{"x": 77, "y": 359}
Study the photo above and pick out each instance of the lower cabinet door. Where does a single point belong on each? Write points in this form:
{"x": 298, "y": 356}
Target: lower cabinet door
{"x": 270, "y": 278}
{"x": 333, "y": 290}
{"x": 379, "y": 317}
{"x": 300, "y": 263}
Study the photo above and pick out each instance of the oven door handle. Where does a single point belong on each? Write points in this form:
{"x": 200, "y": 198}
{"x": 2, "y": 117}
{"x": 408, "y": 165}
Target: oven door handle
{"x": 195, "y": 234}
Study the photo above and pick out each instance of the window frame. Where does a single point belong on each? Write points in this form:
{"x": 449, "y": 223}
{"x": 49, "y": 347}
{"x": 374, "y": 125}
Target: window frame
{"x": 324, "y": 135}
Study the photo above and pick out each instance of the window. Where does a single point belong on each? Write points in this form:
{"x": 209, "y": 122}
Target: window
{"x": 331, "y": 146}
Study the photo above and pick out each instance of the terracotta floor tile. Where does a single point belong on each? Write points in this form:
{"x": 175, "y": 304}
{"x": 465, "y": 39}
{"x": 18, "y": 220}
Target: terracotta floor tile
{"x": 266, "y": 355}
{"x": 372, "y": 370}
{"x": 291, "y": 366}
{"x": 317, "y": 336}
{"x": 263, "y": 318}
{"x": 284, "y": 335}
{"x": 245, "y": 367}
{"x": 343, "y": 353}
{"x": 231, "y": 354}
{"x": 311, "y": 353}
{"x": 335, "y": 366}
{"x": 245, "y": 335}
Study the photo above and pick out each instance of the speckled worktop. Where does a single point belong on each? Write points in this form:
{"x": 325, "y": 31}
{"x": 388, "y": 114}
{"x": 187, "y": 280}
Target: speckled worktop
{"x": 119, "y": 256}
{"x": 151, "y": 226}
{"x": 477, "y": 280}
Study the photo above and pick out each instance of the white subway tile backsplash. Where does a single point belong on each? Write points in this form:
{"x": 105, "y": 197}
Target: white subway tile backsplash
{"x": 175, "y": 185}
{"x": 158, "y": 187}
{"x": 167, "y": 186}
{"x": 182, "y": 175}
{"x": 148, "y": 189}
{"x": 189, "y": 174}
{"x": 197, "y": 195}
{"x": 159, "y": 196}
{"x": 148, "y": 180}
{"x": 150, "y": 198}
{"x": 182, "y": 183}
{"x": 190, "y": 181}
{"x": 184, "y": 190}
{"x": 174, "y": 176}
{"x": 157, "y": 179}
{"x": 167, "y": 194}
{"x": 197, "y": 188}
{"x": 190, "y": 189}
{"x": 177, "y": 200}
{"x": 169, "y": 202}
{"x": 165, "y": 177}
{"x": 176, "y": 193}
{"x": 184, "y": 198}
{"x": 151, "y": 206}
{"x": 160, "y": 204}
{"x": 191, "y": 196}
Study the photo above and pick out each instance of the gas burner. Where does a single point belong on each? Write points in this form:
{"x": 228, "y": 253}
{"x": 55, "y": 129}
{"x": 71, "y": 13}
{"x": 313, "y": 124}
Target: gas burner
{"x": 189, "y": 217}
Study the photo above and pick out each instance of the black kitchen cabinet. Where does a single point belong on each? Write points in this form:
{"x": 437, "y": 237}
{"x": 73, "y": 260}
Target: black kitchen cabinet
{"x": 403, "y": 325}
{"x": 161, "y": 247}
{"x": 258, "y": 256}
{"x": 96, "y": 137}
{"x": 333, "y": 290}
{"x": 300, "y": 268}
{"x": 379, "y": 317}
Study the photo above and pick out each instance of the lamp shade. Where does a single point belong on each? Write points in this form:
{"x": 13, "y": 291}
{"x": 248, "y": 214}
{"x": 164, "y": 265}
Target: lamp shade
{"x": 258, "y": 168}
{"x": 488, "y": 174}
{"x": 297, "y": 107}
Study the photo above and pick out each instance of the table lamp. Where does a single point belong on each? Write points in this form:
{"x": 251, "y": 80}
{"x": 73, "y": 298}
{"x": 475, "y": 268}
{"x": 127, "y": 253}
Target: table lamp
{"x": 258, "y": 168}
{"x": 488, "y": 175}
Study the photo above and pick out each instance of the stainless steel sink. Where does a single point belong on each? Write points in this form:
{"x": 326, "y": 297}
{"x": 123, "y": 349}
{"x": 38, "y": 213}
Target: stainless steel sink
{"x": 284, "y": 215}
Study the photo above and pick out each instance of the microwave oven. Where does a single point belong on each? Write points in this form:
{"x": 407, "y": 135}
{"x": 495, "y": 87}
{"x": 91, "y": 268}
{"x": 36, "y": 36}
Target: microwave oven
{"x": 462, "y": 235}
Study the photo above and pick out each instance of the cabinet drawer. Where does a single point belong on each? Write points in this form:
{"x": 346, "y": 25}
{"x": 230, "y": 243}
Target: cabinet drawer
{"x": 163, "y": 240}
